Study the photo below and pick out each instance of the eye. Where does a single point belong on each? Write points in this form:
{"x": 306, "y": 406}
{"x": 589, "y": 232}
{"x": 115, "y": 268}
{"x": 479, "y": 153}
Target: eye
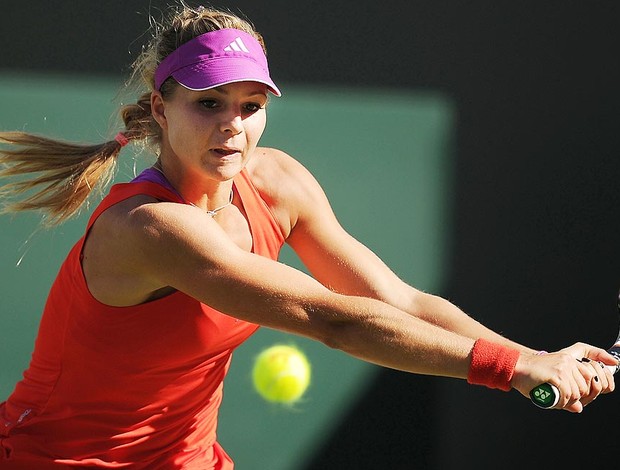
{"x": 208, "y": 103}
{"x": 253, "y": 107}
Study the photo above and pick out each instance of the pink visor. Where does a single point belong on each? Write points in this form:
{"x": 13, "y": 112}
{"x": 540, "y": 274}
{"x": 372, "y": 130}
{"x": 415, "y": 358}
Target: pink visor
{"x": 214, "y": 59}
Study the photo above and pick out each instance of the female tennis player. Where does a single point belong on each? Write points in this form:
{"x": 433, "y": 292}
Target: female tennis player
{"x": 179, "y": 266}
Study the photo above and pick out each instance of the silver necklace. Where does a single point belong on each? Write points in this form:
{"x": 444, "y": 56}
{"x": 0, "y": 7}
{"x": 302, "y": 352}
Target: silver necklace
{"x": 210, "y": 212}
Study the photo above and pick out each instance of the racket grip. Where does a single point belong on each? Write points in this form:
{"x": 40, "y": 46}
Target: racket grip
{"x": 545, "y": 395}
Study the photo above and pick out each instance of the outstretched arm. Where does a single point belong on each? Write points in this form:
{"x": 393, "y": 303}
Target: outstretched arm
{"x": 345, "y": 265}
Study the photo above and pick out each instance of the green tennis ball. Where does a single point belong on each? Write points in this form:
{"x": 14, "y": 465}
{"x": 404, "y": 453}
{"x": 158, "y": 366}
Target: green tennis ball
{"x": 281, "y": 374}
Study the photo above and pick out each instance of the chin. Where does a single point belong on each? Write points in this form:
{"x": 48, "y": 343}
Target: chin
{"x": 227, "y": 172}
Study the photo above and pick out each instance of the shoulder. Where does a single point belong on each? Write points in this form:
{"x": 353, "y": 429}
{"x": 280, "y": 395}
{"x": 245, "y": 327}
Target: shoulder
{"x": 283, "y": 182}
{"x": 142, "y": 226}
{"x": 129, "y": 229}
{"x": 276, "y": 173}
{"x": 140, "y": 246}
{"x": 288, "y": 187}
{"x": 267, "y": 163}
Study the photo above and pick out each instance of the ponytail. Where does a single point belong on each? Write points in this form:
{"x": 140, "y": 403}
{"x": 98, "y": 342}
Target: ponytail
{"x": 62, "y": 175}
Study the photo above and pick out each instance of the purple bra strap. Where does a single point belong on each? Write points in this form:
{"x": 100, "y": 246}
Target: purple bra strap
{"x": 151, "y": 175}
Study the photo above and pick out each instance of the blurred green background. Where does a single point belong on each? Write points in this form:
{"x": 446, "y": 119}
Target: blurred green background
{"x": 384, "y": 158}
{"x": 532, "y": 180}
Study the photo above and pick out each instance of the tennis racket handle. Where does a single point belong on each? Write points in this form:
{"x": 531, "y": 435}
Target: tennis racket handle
{"x": 545, "y": 395}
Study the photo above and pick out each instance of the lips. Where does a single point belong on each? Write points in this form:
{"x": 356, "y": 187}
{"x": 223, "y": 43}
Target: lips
{"x": 226, "y": 151}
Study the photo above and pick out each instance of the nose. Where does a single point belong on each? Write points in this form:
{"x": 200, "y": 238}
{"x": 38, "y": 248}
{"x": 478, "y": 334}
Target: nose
{"x": 232, "y": 123}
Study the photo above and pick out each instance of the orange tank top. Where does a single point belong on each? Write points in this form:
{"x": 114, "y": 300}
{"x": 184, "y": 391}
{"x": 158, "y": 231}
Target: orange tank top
{"x": 128, "y": 387}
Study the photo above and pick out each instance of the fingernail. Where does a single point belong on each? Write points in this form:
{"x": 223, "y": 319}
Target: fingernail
{"x": 596, "y": 378}
{"x": 585, "y": 359}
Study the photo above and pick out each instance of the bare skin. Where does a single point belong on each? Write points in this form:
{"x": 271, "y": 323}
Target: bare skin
{"x": 142, "y": 249}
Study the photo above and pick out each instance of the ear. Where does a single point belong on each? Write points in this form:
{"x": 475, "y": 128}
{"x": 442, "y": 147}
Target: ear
{"x": 158, "y": 108}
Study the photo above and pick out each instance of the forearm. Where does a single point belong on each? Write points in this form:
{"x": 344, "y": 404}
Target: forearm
{"x": 386, "y": 336}
{"x": 393, "y": 338}
{"x": 440, "y": 312}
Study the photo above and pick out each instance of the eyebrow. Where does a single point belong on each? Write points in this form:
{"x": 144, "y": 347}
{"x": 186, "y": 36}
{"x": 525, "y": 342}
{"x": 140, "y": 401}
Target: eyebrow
{"x": 221, "y": 89}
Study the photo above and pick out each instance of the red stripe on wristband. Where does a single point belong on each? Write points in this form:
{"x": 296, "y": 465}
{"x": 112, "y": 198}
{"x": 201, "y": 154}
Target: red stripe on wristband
{"x": 492, "y": 365}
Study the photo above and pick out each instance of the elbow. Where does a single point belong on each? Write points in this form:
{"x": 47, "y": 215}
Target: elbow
{"x": 339, "y": 331}
{"x": 342, "y": 322}
{"x": 335, "y": 337}
{"x": 332, "y": 333}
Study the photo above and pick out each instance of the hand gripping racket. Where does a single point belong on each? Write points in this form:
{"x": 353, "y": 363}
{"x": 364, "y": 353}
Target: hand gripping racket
{"x": 547, "y": 395}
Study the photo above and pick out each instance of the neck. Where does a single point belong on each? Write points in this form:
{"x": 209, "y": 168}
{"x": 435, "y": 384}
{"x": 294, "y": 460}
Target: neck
{"x": 211, "y": 203}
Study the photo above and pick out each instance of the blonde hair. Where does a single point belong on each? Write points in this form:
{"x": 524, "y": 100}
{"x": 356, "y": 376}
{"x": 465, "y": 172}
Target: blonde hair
{"x": 64, "y": 174}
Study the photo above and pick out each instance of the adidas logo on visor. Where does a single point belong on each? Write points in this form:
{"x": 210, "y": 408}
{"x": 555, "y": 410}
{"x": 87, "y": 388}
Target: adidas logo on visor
{"x": 236, "y": 45}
